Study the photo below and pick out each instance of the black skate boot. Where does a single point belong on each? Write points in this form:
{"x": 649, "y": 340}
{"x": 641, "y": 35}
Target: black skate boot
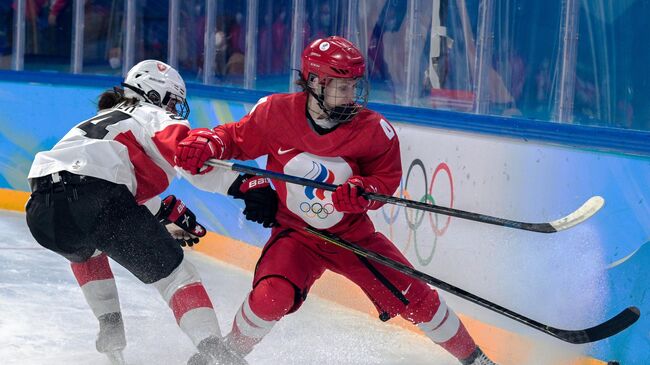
{"x": 478, "y": 358}
{"x": 213, "y": 351}
{"x": 111, "y": 339}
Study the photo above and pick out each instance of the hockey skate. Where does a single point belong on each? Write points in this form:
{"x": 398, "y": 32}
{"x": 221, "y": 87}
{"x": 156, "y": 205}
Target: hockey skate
{"x": 213, "y": 351}
{"x": 478, "y": 358}
{"x": 111, "y": 339}
{"x": 116, "y": 357}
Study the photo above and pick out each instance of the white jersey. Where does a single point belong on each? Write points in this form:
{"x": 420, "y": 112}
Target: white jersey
{"x": 133, "y": 145}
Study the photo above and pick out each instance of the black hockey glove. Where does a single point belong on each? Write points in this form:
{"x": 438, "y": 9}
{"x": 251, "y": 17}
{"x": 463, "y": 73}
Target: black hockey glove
{"x": 258, "y": 195}
{"x": 180, "y": 221}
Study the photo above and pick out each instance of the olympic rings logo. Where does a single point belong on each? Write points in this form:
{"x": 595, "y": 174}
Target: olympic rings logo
{"x": 415, "y": 218}
{"x": 318, "y": 173}
{"x": 319, "y": 210}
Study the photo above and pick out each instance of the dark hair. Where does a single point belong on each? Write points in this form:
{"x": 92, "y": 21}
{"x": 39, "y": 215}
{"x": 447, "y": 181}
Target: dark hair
{"x": 110, "y": 98}
{"x": 302, "y": 81}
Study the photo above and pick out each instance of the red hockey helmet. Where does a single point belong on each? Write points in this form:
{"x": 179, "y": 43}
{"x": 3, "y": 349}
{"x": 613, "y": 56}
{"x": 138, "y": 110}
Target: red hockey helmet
{"x": 332, "y": 57}
{"x": 329, "y": 59}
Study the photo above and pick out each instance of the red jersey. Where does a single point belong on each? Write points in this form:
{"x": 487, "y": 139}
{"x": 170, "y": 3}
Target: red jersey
{"x": 277, "y": 126}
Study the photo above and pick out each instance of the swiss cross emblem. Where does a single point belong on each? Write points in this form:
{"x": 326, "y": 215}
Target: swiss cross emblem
{"x": 161, "y": 67}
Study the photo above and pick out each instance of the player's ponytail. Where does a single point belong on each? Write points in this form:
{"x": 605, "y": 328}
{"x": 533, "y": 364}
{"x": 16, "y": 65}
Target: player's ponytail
{"x": 110, "y": 98}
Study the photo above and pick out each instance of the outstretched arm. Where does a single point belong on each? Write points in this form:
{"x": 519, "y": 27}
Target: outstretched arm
{"x": 244, "y": 140}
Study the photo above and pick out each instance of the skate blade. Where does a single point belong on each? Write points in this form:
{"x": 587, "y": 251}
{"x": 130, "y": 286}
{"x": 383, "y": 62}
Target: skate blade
{"x": 116, "y": 358}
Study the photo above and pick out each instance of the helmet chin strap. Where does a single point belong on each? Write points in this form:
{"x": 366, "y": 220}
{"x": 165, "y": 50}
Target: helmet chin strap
{"x": 337, "y": 114}
{"x": 138, "y": 91}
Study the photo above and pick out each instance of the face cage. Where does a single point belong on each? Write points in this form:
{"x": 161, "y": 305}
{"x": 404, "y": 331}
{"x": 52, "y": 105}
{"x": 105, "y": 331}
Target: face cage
{"x": 171, "y": 103}
{"x": 177, "y": 105}
{"x": 344, "y": 113}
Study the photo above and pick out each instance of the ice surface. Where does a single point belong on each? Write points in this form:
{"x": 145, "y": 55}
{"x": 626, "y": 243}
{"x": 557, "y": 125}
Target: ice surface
{"x": 45, "y": 320}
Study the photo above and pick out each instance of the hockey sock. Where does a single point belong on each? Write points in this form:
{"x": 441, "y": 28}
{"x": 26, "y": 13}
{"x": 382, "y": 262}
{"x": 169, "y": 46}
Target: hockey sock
{"x": 446, "y": 330}
{"x": 269, "y": 301}
{"x": 440, "y": 324}
{"x": 97, "y": 284}
{"x": 187, "y": 298}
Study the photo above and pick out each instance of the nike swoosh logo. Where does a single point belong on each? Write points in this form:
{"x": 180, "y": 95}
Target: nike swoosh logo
{"x": 282, "y": 152}
{"x": 407, "y": 289}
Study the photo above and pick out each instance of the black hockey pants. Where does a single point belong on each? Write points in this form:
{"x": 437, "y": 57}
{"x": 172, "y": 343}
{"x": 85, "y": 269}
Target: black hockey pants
{"x": 76, "y": 215}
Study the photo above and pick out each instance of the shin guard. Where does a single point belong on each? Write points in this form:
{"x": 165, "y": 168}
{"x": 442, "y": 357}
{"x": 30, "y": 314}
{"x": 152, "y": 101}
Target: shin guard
{"x": 97, "y": 284}
{"x": 187, "y": 298}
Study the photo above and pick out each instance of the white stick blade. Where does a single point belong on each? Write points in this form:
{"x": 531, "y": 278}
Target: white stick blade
{"x": 589, "y": 208}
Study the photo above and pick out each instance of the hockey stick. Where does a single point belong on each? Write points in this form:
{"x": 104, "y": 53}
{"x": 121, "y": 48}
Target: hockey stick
{"x": 589, "y": 208}
{"x": 606, "y": 329}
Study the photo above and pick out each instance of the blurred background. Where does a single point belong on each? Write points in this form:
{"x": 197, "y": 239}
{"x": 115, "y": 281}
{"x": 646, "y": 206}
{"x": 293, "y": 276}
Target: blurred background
{"x": 568, "y": 61}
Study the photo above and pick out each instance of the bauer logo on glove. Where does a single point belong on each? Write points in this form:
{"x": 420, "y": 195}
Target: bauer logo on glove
{"x": 259, "y": 197}
{"x": 180, "y": 221}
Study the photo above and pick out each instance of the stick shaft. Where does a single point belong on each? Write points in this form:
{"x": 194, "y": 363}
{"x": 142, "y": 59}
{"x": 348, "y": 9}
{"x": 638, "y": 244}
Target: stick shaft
{"x": 477, "y": 217}
{"x": 603, "y": 330}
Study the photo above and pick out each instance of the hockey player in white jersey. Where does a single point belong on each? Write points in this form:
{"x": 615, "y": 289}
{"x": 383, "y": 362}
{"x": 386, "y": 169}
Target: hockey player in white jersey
{"x": 95, "y": 195}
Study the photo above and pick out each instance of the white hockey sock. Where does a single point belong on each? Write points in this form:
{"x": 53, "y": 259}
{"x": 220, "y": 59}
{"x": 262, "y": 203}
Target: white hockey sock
{"x": 187, "y": 298}
{"x": 248, "y": 329}
{"x": 97, "y": 284}
{"x": 443, "y": 326}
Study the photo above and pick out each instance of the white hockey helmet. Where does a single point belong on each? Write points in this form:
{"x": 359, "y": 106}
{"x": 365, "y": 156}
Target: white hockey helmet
{"x": 157, "y": 83}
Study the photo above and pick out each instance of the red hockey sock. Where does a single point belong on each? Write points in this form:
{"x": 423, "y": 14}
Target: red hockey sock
{"x": 97, "y": 284}
{"x": 188, "y": 298}
{"x": 95, "y": 268}
{"x": 190, "y": 303}
{"x": 461, "y": 345}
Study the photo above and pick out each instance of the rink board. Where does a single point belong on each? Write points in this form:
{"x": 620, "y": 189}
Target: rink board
{"x": 571, "y": 279}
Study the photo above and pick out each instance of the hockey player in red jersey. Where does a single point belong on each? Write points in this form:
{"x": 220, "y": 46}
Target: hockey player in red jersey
{"x": 95, "y": 195}
{"x": 325, "y": 133}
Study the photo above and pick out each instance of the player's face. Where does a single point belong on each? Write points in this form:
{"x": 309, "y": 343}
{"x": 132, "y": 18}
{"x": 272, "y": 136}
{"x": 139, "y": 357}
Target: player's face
{"x": 340, "y": 92}
{"x": 171, "y": 106}
{"x": 177, "y": 106}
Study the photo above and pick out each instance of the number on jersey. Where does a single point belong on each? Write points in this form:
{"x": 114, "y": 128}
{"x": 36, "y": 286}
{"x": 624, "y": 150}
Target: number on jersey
{"x": 96, "y": 127}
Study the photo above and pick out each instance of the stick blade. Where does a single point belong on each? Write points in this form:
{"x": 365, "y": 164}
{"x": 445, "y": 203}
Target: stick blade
{"x": 588, "y": 209}
{"x": 604, "y": 330}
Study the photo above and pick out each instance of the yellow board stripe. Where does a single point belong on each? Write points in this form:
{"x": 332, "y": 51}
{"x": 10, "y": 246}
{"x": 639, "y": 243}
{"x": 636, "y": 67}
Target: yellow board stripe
{"x": 502, "y": 346}
{"x": 13, "y": 199}
{"x": 222, "y": 111}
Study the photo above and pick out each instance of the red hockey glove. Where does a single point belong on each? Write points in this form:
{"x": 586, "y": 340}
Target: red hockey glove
{"x": 347, "y": 197}
{"x": 180, "y": 221}
{"x": 258, "y": 195}
{"x": 200, "y": 145}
